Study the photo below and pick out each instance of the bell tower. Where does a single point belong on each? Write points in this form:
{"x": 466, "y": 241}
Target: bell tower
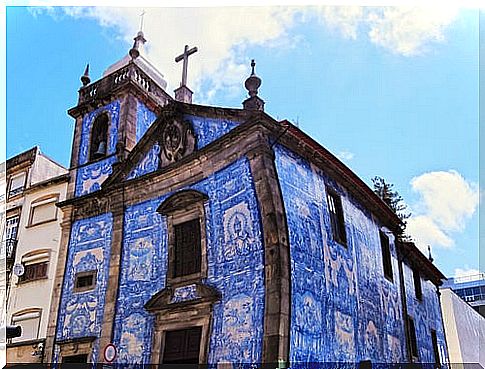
{"x": 112, "y": 114}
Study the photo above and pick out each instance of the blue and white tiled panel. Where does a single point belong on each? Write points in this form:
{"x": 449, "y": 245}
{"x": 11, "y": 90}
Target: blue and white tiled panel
{"x": 143, "y": 271}
{"x": 89, "y": 178}
{"x": 235, "y": 268}
{"x": 81, "y": 313}
{"x": 427, "y": 316}
{"x": 144, "y": 119}
{"x": 113, "y": 109}
{"x": 208, "y": 130}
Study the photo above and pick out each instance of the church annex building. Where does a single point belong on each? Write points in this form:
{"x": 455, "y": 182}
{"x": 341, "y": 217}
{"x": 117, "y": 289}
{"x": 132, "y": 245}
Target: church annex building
{"x": 202, "y": 234}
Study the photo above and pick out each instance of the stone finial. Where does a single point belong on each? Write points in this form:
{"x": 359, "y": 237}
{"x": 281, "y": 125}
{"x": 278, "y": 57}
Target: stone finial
{"x": 252, "y": 84}
{"x": 85, "y": 77}
{"x": 139, "y": 41}
{"x": 430, "y": 257}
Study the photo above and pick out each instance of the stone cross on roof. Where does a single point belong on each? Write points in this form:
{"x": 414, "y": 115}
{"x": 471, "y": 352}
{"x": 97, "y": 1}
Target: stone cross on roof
{"x": 185, "y": 57}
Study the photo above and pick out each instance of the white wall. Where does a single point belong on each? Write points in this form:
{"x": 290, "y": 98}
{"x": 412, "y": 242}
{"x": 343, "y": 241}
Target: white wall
{"x": 464, "y": 328}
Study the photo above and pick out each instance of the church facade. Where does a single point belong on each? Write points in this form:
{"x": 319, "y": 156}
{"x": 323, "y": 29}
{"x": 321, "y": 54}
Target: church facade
{"x": 203, "y": 234}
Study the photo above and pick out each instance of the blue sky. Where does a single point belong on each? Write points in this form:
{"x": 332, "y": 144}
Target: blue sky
{"x": 393, "y": 92}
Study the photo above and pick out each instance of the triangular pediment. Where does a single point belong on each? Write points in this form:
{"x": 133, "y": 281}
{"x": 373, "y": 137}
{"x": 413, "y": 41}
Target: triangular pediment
{"x": 175, "y": 134}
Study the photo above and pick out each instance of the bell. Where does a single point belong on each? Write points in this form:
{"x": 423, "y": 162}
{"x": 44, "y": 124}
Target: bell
{"x": 101, "y": 150}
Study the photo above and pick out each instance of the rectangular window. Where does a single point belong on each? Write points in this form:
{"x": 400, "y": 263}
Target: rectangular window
{"x": 29, "y": 321}
{"x": 11, "y": 226}
{"x": 43, "y": 212}
{"x": 336, "y": 217}
{"x": 17, "y": 184}
{"x": 413, "y": 343}
{"x": 386, "y": 255}
{"x": 436, "y": 351}
{"x": 182, "y": 346}
{"x": 33, "y": 272}
{"x": 85, "y": 281}
{"x": 417, "y": 285}
{"x": 187, "y": 248}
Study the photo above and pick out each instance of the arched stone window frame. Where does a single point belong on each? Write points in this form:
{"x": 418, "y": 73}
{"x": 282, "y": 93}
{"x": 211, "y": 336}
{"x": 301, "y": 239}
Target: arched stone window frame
{"x": 184, "y": 206}
{"x": 91, "y": 142}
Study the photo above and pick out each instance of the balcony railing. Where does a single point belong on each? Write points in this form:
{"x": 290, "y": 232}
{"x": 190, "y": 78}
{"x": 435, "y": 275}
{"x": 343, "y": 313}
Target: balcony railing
{"x": 131, "y": 72}
{"x": 10, "y": 246}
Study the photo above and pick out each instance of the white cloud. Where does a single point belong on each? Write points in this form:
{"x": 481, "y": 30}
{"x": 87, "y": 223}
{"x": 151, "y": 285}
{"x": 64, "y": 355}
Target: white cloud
{"x": 345, "y": 155}
{"x": 447, "y": 201}
{"x": 223, "y": 34}
{"x": 406, "y": 31}
{"x": 473, "y": 274}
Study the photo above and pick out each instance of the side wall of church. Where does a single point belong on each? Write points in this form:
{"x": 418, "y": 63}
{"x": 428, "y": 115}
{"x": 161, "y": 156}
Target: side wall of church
{"x": 342, "y": 306}
{"x": 81, "y": 313}
{"x": 426, "y": 314}
{"x": 235, "y": 269}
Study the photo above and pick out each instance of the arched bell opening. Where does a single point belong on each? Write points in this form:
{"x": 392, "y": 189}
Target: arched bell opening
{"x": 98, "y": 147}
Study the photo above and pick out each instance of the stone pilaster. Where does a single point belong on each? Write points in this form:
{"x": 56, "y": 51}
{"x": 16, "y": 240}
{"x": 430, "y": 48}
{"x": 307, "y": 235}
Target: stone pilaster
{"x": 58, "y": 283}
{"x": 117, "y": 209}
{"x": 277, "y": 254}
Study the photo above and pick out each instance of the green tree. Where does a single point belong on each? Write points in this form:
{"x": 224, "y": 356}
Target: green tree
{"x": 392, "y": 198}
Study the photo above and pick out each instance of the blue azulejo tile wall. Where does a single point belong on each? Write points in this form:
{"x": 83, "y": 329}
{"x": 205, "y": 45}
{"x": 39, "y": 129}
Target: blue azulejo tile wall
{"x": 426, "y": 313}
{"x": 342, "y": 309}
{"x": 144, "y": 119}
{"x": 235, "y": 269}
{"x": 206, "y": 130}
{"x": 89, "y": 177}
{"x": 81, "y": 313}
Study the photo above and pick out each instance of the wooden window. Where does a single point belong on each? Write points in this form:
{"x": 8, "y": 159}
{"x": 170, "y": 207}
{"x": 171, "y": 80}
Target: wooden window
{"x": 336, "y": 217}
{"x": 34, "y": 272}
{"x": 434, "y": 341}
{"x": 35, "y": 265}
{"x": 417, "y": 285}
{"x": 99, "y": 137}
{"x": 386, "y": 255}
{"x": 29, "y": 320}
{"x": 182, "y": 346}
{"x": 187, "y": 248}
{"x": 85, "y": 281}
{"x": 413, "y": 343}
{"x": 43, "y": 211}
{"x": 17, "y": 184}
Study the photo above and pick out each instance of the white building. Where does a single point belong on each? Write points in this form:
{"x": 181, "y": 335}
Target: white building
{"x": 31, "y": 236}
{"x": 464, "y": 330}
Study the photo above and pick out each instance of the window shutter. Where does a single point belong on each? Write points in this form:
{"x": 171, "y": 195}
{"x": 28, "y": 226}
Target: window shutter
{"x": 187, "y": 248}
{"x": 43, "y": 212}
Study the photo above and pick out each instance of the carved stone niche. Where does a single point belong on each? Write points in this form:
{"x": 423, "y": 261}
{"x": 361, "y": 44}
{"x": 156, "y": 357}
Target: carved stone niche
{"x": 181, "y": 308}
{"x": 176, "y": 140}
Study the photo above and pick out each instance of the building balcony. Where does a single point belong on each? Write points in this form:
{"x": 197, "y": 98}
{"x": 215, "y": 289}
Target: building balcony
{"x": 9, "y": 246}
